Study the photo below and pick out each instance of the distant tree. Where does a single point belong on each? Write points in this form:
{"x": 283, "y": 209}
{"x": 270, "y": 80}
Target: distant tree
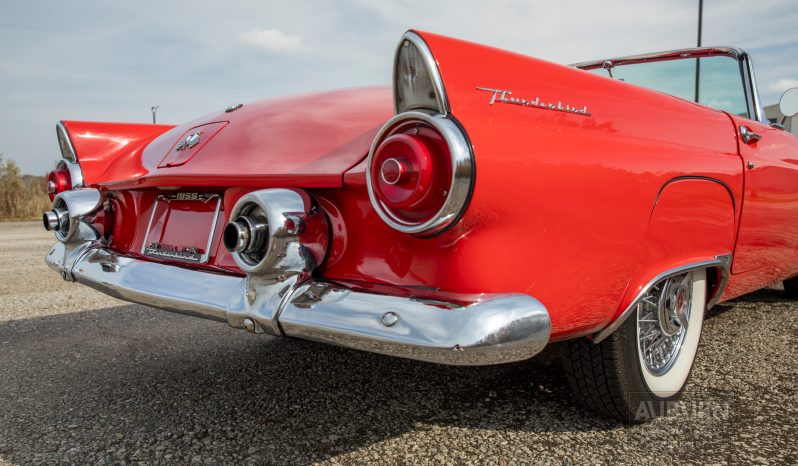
{"x": 10, "y": 187}
{"x": 21, "y": 197}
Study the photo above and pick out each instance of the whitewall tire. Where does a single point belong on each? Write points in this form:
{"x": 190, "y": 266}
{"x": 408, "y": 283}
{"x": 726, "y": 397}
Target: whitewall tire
{"x": 639, "y": 370}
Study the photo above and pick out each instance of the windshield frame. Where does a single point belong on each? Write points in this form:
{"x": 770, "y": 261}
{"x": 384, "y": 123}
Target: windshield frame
{"x": 745, "y": 64}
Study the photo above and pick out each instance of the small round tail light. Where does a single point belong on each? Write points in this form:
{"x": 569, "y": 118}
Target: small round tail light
{"x": 420, "y": 173}
{"x": 58, "y": 181}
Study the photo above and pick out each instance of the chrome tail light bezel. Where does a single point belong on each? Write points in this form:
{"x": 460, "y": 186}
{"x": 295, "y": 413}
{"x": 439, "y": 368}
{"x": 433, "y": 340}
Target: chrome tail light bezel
{"x": 74, "y": 171}
{"x": 461, "y": 183}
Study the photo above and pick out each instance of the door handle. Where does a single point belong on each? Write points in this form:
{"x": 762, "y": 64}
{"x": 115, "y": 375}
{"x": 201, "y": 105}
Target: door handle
{"x": 749, "y": 137}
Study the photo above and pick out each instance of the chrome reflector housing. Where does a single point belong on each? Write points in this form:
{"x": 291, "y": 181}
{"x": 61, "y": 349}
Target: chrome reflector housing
{"x": 67, "y": 150}
{"x": 417, "y": 82}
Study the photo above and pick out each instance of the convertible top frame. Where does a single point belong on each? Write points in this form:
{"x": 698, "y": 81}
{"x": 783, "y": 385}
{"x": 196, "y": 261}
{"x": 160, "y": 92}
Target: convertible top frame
{"x": 755, "y": 110}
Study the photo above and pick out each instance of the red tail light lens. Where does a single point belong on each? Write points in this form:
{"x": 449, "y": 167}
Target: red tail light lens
{"x": 58, "y": 181}
{"x": 411, "y": 174}
{"x": 420, "y": 173}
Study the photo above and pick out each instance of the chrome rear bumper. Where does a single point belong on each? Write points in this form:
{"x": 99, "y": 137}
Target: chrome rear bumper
{"x": 498, "y": 328}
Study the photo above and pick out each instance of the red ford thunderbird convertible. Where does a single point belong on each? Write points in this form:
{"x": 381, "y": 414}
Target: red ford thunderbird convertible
{"x": 470, "y": 214}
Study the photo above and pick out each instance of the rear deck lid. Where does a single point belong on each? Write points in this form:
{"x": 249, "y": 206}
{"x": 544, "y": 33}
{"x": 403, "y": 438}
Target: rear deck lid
{"x": 298, "y": 141}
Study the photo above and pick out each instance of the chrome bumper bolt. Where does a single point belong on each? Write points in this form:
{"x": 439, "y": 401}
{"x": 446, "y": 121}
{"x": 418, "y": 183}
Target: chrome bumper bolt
{"x": 249, "y": 325}
{"x": 389, "y": 319}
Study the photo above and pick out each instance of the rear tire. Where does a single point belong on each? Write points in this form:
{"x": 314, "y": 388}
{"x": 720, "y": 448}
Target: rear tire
{"x": 791, "y": 288}
{"x": 640, "y": 370}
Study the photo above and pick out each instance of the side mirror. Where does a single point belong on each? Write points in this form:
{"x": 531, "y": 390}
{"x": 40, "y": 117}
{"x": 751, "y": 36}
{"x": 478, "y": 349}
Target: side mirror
{"x": 788, "y": 105}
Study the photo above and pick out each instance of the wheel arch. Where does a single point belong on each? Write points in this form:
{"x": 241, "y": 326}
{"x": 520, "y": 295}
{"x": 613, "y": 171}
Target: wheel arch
{"x": 683, "y": 235}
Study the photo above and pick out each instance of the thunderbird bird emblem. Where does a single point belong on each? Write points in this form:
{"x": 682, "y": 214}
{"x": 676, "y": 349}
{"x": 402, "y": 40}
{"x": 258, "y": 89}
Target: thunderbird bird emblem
{"x": 191, "y": 140}
{"x": 503, "y": 96}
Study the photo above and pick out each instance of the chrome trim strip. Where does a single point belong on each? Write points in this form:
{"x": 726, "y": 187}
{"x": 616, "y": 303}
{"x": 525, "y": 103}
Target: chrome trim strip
{"x": 724, "y": 280}
{"x": 432, "y": 68}
{"x": 497, "y": 329}
{"x": 149, "y": 224}
{"x": 463, "y": 168}
{"x": 722, "y": 262}
{"x": 63, "y": 134}
{"x": 207, "y": 254}
{"x": 758, "y": 110}
{"x": 696, "y": 52}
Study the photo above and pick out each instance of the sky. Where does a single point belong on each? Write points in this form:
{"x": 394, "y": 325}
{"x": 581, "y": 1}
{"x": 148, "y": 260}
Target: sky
{"x": 105, "y": 60}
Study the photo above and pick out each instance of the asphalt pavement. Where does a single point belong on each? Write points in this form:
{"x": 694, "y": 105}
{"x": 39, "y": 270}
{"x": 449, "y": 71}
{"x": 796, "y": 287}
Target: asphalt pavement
{"x": 87, "y": 379}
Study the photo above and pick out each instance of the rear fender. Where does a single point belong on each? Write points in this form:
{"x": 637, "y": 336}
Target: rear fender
{"x": 691, "y": 226}
{"x": 107, "y": 151}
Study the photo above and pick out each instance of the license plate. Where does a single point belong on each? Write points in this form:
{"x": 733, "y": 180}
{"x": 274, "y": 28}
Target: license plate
{"x": 181, "y": 227}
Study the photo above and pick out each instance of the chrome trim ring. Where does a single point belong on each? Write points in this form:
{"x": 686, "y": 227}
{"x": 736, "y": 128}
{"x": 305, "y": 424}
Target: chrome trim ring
{"x": 399, "y": 171}
{"x": 460, "y": 187}
{"x": 63, "y": 136}
{"x": 432, "y": 68}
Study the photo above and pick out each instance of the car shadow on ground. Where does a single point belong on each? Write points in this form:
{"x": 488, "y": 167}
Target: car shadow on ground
{"x": 131, "y": 383}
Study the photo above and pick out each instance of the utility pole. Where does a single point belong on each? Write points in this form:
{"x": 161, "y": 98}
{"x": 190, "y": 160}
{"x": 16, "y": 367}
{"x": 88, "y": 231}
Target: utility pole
{"x": 154, "y": 109}
{"x": 698, "y": 60}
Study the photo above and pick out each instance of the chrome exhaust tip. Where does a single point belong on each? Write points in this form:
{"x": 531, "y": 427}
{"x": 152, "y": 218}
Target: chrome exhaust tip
{"x": 236, "y": 236}
{"x": 55, "y": 219}
{"x": 50, "y": 220}
{"x": 244, "y": 235}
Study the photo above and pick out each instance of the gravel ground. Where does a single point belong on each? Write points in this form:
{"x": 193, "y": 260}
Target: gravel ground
{"x": 86, "y": 379}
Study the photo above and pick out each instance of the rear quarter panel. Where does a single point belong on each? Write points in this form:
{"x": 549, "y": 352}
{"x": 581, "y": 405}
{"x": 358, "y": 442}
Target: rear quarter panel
{"x": 563, "y": 203}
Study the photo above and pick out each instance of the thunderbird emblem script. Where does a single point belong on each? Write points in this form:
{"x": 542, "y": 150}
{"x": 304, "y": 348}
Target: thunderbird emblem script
{"x": 503, "y": 96}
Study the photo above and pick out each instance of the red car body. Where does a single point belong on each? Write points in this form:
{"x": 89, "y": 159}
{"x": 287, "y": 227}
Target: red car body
{"x": 579, "y": 210}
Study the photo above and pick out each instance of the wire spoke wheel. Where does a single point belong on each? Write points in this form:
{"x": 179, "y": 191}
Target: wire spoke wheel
{"x": 662, "y": 322}
{"x": 636, "y": 372}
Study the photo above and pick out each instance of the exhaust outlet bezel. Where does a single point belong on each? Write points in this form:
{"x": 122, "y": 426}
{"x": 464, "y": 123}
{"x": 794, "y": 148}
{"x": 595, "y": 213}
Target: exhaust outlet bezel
{"x": 276, "y": 219}
{"x": 70, "y": 208}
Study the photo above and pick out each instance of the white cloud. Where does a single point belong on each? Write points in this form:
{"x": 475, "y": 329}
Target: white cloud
{"x": 783, "y": 84}
{"x": 274, "y": 40}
